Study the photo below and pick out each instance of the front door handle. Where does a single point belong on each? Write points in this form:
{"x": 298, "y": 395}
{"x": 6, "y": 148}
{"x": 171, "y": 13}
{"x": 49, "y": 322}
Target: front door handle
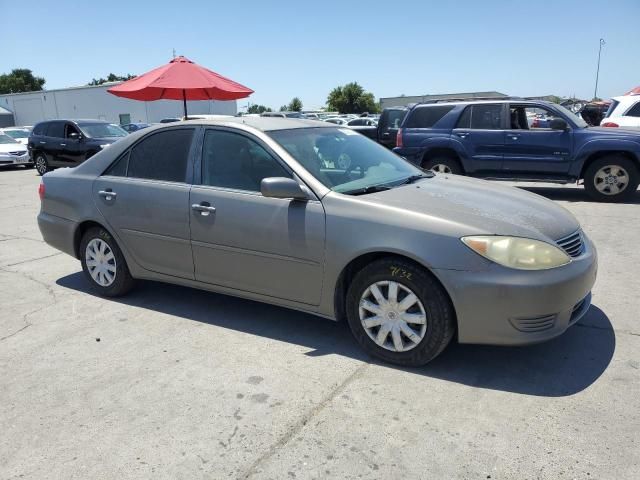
{"x": 462, "y": 134}
{"x": 204, "y": 208}
{"x": 42, "y": 143}
{"x": 107, "y": 194}
{"x": 514, "y": 137}
{"x": 63, "y": 144}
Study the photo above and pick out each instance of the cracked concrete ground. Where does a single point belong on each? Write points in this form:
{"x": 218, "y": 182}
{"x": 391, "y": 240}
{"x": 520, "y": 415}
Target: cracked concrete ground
{"x": 182, "y": 384}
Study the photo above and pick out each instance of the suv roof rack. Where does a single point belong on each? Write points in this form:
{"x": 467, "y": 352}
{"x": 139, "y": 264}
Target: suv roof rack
{"x": 465, "y": 99}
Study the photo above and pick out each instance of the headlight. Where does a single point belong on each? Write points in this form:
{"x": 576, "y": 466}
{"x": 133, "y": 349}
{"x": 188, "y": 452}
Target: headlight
{"x": 517, "y": 252}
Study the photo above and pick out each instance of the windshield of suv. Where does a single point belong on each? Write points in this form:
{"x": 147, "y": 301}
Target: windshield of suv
{"x": 344, "y": 160}
{"x": 6, "y": 139}
{"x": 577, "y": 119}
{"x": 102, "y": 130}
{"x": 17, "y": 133}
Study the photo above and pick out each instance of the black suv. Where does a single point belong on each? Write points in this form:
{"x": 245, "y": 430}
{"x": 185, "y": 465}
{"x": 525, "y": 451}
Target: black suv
{"x": 67, "y": 143}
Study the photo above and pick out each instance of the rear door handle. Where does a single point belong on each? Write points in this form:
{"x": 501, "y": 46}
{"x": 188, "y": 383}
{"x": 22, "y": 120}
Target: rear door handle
{"x": 514, "y": 137}
{"x": 42, "y": 143}
{"x": 107, "y": 194}
{"x": 204, "y": 208}
{"x": 63, "y": 144}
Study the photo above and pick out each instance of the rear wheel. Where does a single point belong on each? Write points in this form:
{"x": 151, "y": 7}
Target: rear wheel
{"x": 41, "y": 164}
{"x": 103, "y": 263}
{"x": 398, "y": 312}
{"x": 443, "y": 165}
{"x": 611, "y": 179}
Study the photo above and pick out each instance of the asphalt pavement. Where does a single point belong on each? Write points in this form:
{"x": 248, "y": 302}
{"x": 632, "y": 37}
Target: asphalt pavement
{"x": 175, "y": 383}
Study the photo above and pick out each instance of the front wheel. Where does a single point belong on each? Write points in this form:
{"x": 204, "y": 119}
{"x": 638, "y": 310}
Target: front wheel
{"x": 42, "y": 166}
{"x": 611, "y": 179}
{"x": 398, "y": 312}
{"x": 443, "y": 165}
{"x": 103, "y": 263}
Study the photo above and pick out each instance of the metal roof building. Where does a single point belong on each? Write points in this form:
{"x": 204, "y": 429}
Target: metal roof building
{"x": 95, "y": 102}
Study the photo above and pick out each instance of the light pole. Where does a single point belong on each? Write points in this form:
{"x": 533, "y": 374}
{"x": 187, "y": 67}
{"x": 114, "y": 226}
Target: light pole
{"x": 595, "y": 92}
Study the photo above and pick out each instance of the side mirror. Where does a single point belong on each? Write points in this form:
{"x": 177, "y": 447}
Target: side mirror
{"x": 281, "y": 187}
{"x": 558, "y": 124}
{"x": 74, "y": 136}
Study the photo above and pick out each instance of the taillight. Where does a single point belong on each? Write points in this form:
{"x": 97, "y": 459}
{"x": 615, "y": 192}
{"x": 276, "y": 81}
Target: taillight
{"x": 399, "y": 138}
{"x": 609, "y": 124}
{"x": 41, "y": 191}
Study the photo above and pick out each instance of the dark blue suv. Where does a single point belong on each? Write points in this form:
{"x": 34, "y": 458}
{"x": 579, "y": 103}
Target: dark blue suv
{"x": 524, "y": 141}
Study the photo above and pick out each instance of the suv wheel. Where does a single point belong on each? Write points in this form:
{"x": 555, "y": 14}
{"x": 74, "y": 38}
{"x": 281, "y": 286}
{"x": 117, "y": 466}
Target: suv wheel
{"x": 443, "y": 165}
{"x": 41, "y": 164}
{"x": 611, "y": 179}
{"x": 103, "y": 263}
{"x": 398, "y": 312}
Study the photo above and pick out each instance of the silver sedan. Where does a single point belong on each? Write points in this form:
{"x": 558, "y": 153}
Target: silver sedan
{"x": 318, "y": 218}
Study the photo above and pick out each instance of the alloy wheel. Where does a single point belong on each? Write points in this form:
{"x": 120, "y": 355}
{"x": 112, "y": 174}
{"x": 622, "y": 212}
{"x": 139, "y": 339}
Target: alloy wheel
{"x": 611, "y": 180}
{"x": 441, "y": 168}
{"x": 393, "y": 316}
{"x": 41, "y": 165}
{"x": 101, "y": 262}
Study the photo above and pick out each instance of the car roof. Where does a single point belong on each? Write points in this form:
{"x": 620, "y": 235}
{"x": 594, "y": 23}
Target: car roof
{"x": 265, "y": 124}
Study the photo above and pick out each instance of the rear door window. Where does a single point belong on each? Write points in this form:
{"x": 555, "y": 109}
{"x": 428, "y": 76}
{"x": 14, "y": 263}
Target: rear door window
{"x": 162, "y": 156}
{"x": 55, "y": 129}
{"x": 481, "y": 117}
{"x": 634, "y": 111}
{"x": 40, "y": 129}
{"x": 427, "y": 117}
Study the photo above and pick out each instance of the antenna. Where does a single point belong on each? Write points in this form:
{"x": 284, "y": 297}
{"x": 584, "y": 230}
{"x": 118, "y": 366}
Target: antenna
{"x": 174, "y": 53}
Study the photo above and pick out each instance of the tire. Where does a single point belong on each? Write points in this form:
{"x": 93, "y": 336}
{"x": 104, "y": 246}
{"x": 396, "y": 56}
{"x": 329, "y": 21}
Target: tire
{"x": 433, "y": 303}
{"x": 122, "y": 281}
{"x": 41, "y": 163}
{"x": 443, "y": 165}
{"x": 618, "y": 169}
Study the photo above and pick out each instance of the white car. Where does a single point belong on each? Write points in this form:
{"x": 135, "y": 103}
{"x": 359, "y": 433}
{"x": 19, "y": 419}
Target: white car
{"x": 19, "y": 134}
{"x": 12, "y": 152}
{"x": 337, "y": 120}
{"x": 624, "y": 112}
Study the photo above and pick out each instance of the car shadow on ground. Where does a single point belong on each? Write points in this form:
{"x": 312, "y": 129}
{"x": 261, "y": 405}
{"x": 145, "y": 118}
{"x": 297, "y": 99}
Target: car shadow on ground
{"x": 560, "y": 367}
{"x": 572, "y": 194}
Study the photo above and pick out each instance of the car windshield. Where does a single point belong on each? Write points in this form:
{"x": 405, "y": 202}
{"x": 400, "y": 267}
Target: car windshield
{"x": 17, "y": 133}
{"x": 6, "y": 139}
{"x": 344, "y": 160}
{"x": 102, "y": 130}
{"x": 576, "y": 118}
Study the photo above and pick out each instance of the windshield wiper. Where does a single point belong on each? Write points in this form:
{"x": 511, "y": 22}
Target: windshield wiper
{"x": 413, "y": 178}
{"x": 369, "y": 189}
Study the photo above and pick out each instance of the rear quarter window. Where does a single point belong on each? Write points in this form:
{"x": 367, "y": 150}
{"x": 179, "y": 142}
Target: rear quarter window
{"x": 427, "y": 117}
{"x": 634, "y": 111}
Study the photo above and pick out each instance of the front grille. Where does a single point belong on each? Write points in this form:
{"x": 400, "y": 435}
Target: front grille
{"x": 534, "y": 324}
{"x": 17, "y": 154}
{"x": 572, "y": 244}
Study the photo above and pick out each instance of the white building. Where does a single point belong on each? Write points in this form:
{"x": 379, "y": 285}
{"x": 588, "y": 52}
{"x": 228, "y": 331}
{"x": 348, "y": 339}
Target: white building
{"x": 95, "y": 102}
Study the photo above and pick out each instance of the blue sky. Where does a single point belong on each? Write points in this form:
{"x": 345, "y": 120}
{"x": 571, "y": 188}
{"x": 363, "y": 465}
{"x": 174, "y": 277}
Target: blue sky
{"x": 283, "y": 49}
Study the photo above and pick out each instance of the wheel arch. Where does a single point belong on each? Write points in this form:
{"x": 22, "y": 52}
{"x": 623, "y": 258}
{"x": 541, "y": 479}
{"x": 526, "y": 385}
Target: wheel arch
{"x": 81, "y": 229}
{"x": 592, "y": 157}
{"x": 350, "y": 270}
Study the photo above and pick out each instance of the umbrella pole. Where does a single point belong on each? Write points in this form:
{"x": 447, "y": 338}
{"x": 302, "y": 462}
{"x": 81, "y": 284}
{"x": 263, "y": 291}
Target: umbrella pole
{"x": 184, "y": 100}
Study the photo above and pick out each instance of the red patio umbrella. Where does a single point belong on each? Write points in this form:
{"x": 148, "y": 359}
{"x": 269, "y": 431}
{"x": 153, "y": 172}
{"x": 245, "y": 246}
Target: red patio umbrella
{"x": 180, "y": 79}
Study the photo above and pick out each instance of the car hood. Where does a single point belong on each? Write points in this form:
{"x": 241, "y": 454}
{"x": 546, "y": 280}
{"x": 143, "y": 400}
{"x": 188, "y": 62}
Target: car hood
{"x": 482, "y": 207}
{"x": 12, "y": 147}
{"x": 104, "y": 140}
{"x": 632, "y": 133}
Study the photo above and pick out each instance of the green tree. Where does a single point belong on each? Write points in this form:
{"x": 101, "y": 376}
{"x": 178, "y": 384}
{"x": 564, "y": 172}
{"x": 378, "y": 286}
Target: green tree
{"x": 555, "y": 99}
{"x": 351, "y": 98}
{"x": 295, "y": 105}
{"x": 258, "y": 109}
{"x": 20, "y": 80}
{"x": 112, "y": 77}
{"x": 284, "y": 108}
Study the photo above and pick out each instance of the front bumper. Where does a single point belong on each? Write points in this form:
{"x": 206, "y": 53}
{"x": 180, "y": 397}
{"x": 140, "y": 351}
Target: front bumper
{"x": 15, "y": 159}
{"x": 502, "y": 306}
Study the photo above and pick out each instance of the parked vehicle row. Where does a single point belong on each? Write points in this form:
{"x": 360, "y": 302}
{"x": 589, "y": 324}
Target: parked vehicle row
{"x": 522, "y": 141}
{"x": 410, "y": 259}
